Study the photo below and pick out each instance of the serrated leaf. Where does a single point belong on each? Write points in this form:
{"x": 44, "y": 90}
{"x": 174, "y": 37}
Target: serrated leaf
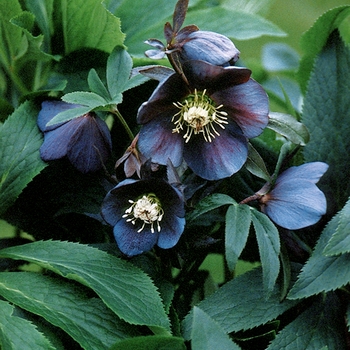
{"x": 63, "y": 304}
{"x": 69, "y": 114}
{"x": 20, "y": 140}
{"x": 18, "y": 333}
{"x": 238, "y": 219}
{"x": 96, "y": 85}
{"x": 322, "y": 273}
{"x": 85, "y": 98}
{"x": 340, "y": 240}
{"x": 123, "y": 288}
{"x": 269, "y": 248}
{"x": 207, "y": 334}
{"x": 87, "y": 23}
{"x": 326, "y": 114}
{"x": 317, "y": 327}
{"x": 288, "y": 126}
{"x": 209, "y": 203}
{"x": 316, "y": 37}
{"x": 255, "y": 164}
{"x": 241, "y": 304}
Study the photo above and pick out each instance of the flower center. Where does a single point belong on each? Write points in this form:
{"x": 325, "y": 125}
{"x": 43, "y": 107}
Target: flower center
{"x": 198, "y": 114}
{"x": 147, "y": 209}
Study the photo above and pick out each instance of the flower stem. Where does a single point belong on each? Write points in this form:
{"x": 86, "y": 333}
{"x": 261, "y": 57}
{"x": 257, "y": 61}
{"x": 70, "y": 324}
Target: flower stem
{"x": 124, "y": 123}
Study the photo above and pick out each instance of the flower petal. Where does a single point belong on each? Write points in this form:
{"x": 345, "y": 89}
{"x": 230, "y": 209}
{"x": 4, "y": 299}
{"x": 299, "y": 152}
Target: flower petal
{"x": 247, "y": 104}
{"x": 171, "y": 230}
{"x": 218, "y": 159}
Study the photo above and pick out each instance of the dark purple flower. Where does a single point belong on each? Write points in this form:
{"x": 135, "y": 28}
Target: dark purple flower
{"x": 205, "y": 122}
{"x": 85, "y": 140}
{"x": 295, "y": 201}
{"x": 144, "y": 213}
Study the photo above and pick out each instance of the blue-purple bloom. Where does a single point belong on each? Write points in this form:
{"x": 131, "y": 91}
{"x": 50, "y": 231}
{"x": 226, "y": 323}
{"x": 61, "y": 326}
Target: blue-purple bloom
{"x": 144, "y": 213}
{"x": 85, "y": 141}
{"x": 295, "y": 201}
{"x": 206, "y": 121}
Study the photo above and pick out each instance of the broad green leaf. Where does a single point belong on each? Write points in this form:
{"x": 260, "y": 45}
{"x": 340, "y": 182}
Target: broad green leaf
{"x": 269, "y": 248}
{"x": 326, "y": 114}
{"x": 249, "y": 6}
{"x": 96, "y": 85}
{"x": 20, "y": 140}
{"x": 316, "y": 37}
{"x": 63, "y": 304}
{"x": 238, "y": 219}
{"x": 207, "y": 334}
{"x": 85, "y": 98}
{"x": 241, "y": 304}
{"x": 322, "y": 273}
{"x": 319, "y": 326}
{"x": 18, "y": 333}
{"x": 256, "y": 165}
{"x": 288, "y": 126}
{"x": 87, "y": 23}
{"x": 340, "y": 240}
{"x": 69, "y": 114}
{"x": 155, "y": 342}
{"x": 209, "y": 203}
{"x": 123, "y": 288}
{"x": 119, "y": 65}
{"x": 279, "y": 57}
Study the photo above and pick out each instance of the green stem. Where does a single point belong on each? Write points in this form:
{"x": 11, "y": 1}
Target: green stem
{"x": 124, "y": 123}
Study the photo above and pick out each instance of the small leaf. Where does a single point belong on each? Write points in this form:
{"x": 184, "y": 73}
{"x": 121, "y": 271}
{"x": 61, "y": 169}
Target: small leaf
{"x": 97, "y": 86}
{"x": 20, "y": 140}
{"x": 269, "y": 247}
{"x": 124, "y": 288}
{"x": 85, "y": 98}
{"x": 256, "y": 165}
{"x": 238, "y": 219}
{"x": 289, "y": 127}
{"x": 18, "y": 333}
{"x": 179, "y": 14}
{"x": 69, "y": 114}
{"x": 207, "y": 334}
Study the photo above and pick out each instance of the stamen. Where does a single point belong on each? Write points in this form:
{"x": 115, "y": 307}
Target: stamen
{"x": 147, "y": 209}
{"x": 198, "y": 114}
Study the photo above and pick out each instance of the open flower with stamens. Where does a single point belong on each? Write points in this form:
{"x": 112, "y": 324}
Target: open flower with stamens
{"x": 144, "y": 213}
{"x": 206, "y": 121}
{"x": 295, "y": 201}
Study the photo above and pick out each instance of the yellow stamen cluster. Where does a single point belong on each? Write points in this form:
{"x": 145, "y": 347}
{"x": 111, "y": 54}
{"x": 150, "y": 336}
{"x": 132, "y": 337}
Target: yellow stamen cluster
{"x": 147, "y": 209}
{"x": 198, "y": 114}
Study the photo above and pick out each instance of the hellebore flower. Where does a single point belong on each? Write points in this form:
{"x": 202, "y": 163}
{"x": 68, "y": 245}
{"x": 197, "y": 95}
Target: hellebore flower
{"x": 144, "y": 213}
{"x": 205, "y": 122}
{"x": 295, "y": 201}
{"x": 85, "y": 141}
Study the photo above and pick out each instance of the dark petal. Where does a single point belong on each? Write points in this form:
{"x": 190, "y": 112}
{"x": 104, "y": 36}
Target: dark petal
{"x": 218, "y": 159}
{"x": 171, "y": 90}
{"x": 308, "y": 171}
{"x": 247, "y": 104}
{"x": 158, "y": 142}
{"x": 91, "y": 144}
{"x": 131, "y": 242}
{"x": 202, "y": 75}
{"x": 171, "y": 231}
{"x": 49, "y": 109}
{"x": 296, "y": 204}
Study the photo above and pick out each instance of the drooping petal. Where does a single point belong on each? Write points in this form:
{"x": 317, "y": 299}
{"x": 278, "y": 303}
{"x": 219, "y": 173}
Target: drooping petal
{"x": 295, "y": 204}
{"x": 221, "y": 157}
{"x": 172, "y": 228}
{"x": 247, "y": 104}
{"x": 131, "y": 242}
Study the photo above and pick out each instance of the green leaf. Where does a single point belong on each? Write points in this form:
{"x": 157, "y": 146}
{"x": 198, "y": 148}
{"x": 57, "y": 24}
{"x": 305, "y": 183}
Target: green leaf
{"x": 65, "y": 305}
{"x": 87, "y": 23}
{"x": 247, "y": 25}
{"x": 340, "y": 240}
{"x": 207, "y": 334}
{"x": 316, "y": 37}
{"x": 96, "y": 85}
{"x": 255, "y": 164}
{"x": 18, "y": 333}
{"x": 238, "y": 218}
{"x": 20, "y": 140}
{"x": 155, "y": 342}
{"x": 69, "y": 114}
{"x": 269, "y": 248}
{"x": 241, "y": 304}
{"x": 322, "y": 273}
{"x": 326, "y": 114}
{"x": 319, "y": 326}
{"x": 85, "y": 98}
{"x": 119, "y": 67}
{"x": 209, "y": 203}
{"x": 288, "y": 126}
{"x": 123, "y": 288}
